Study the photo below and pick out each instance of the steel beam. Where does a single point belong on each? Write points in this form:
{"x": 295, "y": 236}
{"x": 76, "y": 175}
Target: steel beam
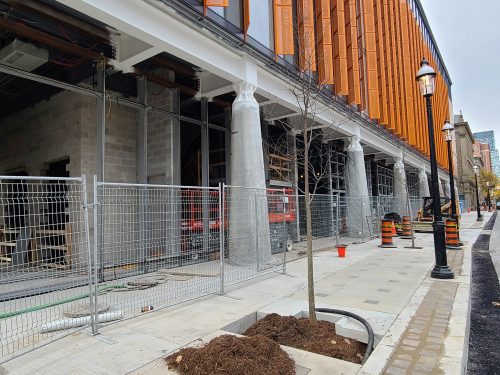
{"x": 47, "y": 81}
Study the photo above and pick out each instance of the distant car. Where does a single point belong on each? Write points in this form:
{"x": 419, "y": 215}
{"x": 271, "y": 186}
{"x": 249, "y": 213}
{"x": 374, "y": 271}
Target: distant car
{"x": 498, "y": 205}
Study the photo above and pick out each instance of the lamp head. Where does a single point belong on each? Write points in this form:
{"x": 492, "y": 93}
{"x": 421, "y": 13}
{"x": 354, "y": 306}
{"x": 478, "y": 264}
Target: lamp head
{"x": 448, "y": 130}
{"x": 425, "y": 78}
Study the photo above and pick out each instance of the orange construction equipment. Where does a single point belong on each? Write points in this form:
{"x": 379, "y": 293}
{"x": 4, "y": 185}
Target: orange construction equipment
{"x": 452, "y": 234}
{"x": 407, "y": 233}
{"x": 387, "y": 229}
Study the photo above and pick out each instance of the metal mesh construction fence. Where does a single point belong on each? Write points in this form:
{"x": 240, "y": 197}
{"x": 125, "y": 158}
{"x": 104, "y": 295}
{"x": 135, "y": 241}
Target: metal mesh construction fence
{"x": 44, "y": 259}
{"x": 152, "y": 246}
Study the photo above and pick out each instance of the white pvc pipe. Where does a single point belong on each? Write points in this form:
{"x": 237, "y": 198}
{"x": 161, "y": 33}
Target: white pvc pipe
{"x": 67, "y": 323}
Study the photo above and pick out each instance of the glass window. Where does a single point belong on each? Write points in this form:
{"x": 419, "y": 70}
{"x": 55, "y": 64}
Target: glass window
{"x": 261, "y": 23}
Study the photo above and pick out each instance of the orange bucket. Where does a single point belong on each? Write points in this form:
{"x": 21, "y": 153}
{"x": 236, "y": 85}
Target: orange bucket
{"x": 341, "y": 250}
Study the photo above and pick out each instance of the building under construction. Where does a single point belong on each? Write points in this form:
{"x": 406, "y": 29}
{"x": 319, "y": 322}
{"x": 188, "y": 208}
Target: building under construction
{"x": 163, "y": 101}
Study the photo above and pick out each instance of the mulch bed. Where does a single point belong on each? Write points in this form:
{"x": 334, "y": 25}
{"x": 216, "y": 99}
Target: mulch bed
{"x": 231, "y": 355}
{"x": 299, "y": 333}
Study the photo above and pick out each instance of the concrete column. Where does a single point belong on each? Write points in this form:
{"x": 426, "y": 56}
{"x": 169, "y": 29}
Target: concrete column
{"x": 358, "y": 202}
{"x": 399, "y": 188}
{"x": 447, "y": 189}
{"x": 423, "y": 184}
{"x": 249, "y": 241}
{"x": 441, "y": 190}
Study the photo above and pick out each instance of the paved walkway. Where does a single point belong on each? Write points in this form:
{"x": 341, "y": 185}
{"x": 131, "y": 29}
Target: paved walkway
{"x": 421, "y": 349}
{"x": 386, "y": 286}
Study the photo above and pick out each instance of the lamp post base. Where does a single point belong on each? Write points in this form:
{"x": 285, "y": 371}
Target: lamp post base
{"x": 442, "y": 272}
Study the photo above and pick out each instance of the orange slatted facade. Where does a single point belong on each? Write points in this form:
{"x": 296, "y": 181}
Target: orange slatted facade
{"x": 307, "y": 41}
{"x": 381, "y": 65}
{"x": 389, "y": 70}
{"x": 283, "y": 27}
{"x": 324, "y": 36}
{"x": 371, "y": 59}
{"x": 354, "y": 95}
{"x": 368, "y": 51}
{"x": 339, "y": 48}
{"x": 408, "y": 75}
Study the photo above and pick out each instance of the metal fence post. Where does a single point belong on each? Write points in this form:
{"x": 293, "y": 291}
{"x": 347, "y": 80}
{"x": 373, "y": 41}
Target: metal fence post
{"x": 95, "y": 327}
{"x": 89, "y": 249}
{"x": 256, "y": 232}
{"x": 285, "y": 231}
{"x": 222, "y": 223}
{"x": 362, "y": 220}
{"x": 337, "y": 219}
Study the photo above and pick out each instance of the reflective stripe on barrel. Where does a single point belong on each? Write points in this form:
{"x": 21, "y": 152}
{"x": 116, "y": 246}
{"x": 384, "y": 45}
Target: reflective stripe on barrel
{"x": 452, "y": 233}
{"x": 406, "y": 227}
{"x": 386, "y": 230}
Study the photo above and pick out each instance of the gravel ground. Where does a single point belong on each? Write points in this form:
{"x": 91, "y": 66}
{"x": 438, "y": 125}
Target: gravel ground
{"x": 484, "y": 341}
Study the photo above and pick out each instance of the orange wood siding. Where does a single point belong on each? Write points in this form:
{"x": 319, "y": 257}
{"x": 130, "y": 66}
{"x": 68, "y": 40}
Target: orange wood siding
{"x": 389, "y": 73}
{"x": 283, "y": 27}
{"x": 403, "y": 126}
{"x": 354, "y": 95}
{"x": 246, "y": 17}
{"x": 307, "y": 41}
{"x": 381, "y": 66}
{"x": 408, "y": 74}
{"x": 339, "y": 48}
{"x": 371, "y": 59}
{"x": 324, "y": 36}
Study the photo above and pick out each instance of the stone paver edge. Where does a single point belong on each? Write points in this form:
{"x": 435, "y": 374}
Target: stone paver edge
{"x": 378, "y": 360}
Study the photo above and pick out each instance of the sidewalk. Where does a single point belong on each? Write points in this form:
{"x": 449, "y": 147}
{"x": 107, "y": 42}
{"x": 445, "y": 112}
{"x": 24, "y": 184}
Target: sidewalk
{"x": 389, "y": 287}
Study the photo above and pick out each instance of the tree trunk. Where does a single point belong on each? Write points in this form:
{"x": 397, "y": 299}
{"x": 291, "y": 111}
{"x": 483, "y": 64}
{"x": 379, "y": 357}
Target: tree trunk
{"x": 310, "y": 274}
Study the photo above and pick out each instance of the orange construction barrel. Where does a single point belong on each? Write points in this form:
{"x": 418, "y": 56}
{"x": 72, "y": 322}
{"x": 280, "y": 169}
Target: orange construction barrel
{"x": 386, "y": 233}
{"x": 452, "y": 241}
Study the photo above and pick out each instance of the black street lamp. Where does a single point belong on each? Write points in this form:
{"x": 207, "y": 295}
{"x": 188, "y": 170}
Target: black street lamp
{"x": 448, "y": 130}
{"x": 479, "y": 216}
{"x": 425, "y": 78}
{"x": 488, "y": 185}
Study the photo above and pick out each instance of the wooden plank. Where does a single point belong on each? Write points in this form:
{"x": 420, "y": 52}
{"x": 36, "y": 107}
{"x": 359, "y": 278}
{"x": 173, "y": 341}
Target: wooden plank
{"x": 306, "y": 37}
{"x": 381, "y": 65}
{"x": 371, "y": 59}
{"x": 339, "y": 48}
{"x": 354, "y": 95}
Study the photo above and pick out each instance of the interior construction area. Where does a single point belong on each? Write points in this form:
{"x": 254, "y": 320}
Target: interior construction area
{"x": 190, "y": 174}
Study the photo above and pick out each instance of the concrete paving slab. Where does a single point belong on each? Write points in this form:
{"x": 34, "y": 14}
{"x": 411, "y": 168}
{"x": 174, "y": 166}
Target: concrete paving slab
{"x": 397, "y": 279}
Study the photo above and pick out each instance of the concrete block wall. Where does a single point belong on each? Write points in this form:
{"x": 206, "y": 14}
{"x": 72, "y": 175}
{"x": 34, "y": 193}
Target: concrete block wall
{"x": 49, "y": 131}
{"x": 162, "y": 136}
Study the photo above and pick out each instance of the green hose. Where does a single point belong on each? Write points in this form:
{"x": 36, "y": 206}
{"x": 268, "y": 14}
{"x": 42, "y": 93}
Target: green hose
{"x": 46, "y": 305}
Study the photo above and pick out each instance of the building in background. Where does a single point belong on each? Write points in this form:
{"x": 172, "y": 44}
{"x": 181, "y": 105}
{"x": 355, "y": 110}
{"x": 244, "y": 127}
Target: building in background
{"x": 489, "y": 137}
{"x": 464, "y": 174}
{"x": 482, "y": 150}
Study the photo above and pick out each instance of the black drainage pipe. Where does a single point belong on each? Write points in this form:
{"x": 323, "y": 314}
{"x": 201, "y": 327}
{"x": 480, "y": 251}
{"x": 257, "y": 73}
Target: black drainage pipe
{"x": 371, "y": 337}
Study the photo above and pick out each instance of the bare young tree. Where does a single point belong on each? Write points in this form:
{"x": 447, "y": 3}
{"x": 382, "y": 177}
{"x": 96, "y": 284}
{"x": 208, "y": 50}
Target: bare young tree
{"x": 310, "y": 155}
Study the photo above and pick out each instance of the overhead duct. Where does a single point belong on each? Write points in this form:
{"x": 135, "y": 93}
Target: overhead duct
{"x": 22, "y": 55}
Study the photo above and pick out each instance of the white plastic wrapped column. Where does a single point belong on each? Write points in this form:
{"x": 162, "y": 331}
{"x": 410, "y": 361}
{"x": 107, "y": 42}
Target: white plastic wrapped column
{"x": 447, "y": 189}
{"x": 441, "y": 190}
{"x": 399, "y": 188}
{"x": 423, "y": 186}
{"x": 357, "y": 199}
{"x": 249, "y": 241}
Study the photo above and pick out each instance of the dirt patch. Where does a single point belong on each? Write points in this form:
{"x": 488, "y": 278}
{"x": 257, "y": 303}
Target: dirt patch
{"x": 299, "y": 333}
{"x": 229, "y": 355}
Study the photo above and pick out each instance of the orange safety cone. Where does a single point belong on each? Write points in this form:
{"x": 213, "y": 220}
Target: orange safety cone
{"x": 407, "y": 233}
{"x": 452, "y": 235}
{"x": 394, "y": 233}
{"x": 386, "y": 233}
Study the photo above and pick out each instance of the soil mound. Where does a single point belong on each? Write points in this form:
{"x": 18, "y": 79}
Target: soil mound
{"x": 299, "y": 333}
{"x": 231, "y": 355}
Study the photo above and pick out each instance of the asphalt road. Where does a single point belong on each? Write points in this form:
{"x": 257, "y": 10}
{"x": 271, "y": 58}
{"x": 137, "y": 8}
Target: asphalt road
{"x": 484, "y": 340}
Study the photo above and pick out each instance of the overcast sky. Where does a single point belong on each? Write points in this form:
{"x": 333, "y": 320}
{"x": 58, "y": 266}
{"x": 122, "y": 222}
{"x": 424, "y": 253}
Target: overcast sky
{"x": 468, "y": 36}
